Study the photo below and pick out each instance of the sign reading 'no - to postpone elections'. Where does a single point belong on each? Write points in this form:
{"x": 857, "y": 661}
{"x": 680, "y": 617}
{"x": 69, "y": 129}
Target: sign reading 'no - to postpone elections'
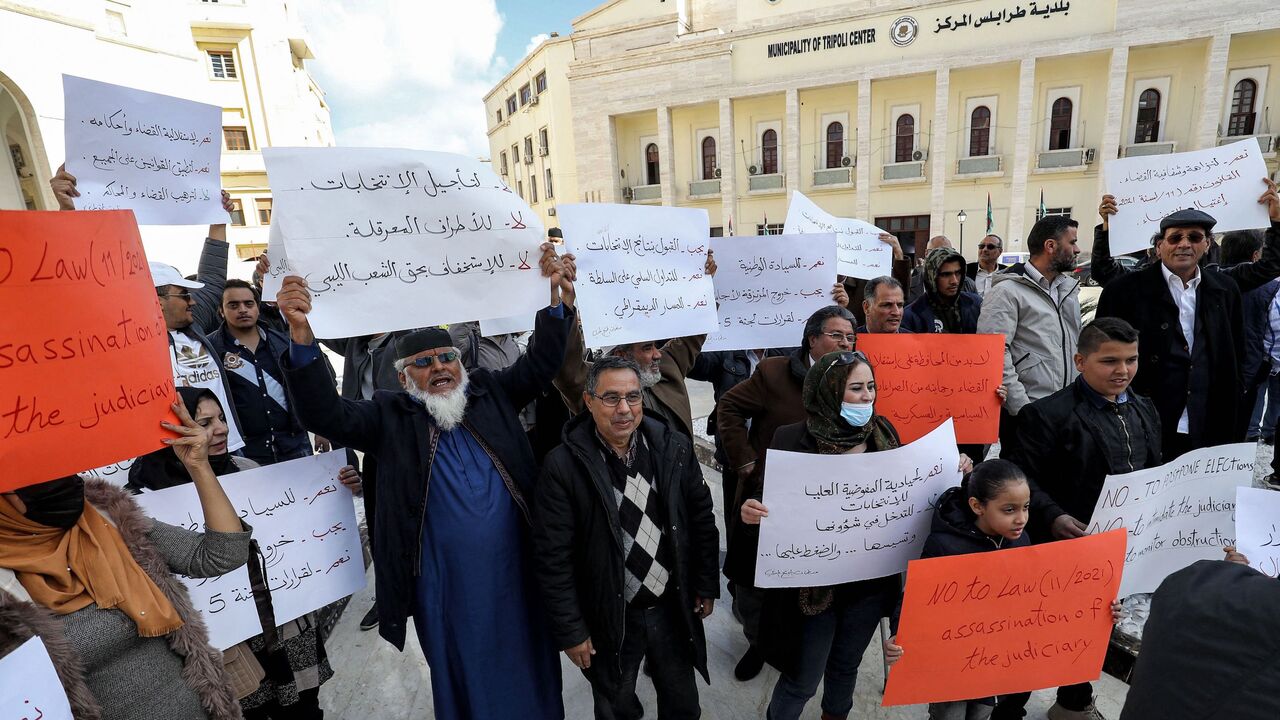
{"x": 398, "y": 239}
{"x": 303, "y": 519}
{"x": 860, "y": 252}
{"x": 1176, "y": 514}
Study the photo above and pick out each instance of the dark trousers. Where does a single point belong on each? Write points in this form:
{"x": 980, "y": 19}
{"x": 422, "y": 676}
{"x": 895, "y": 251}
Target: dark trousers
{"x": 307, "y": 708}
{"x": 650, "y": 632}
{"x": 1008, "y": 435}
{"x": 1071, "y": 697}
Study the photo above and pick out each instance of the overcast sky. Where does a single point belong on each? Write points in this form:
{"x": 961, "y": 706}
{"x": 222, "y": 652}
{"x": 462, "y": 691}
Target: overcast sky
{"x": 413, "y": 73}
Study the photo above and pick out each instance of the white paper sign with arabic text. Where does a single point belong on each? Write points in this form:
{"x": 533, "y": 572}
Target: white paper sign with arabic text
{"x": 860, "y": 251}
{"x": 641, "y": 271}
{"x": 1258, "y": 528}
{"x": 157, "y": 155}
{"x": 29, "y": 685}
{"x": 767, "y": 286}
{"x": 397, "y": 239}
{"x": 841, "y": 518}
{"x": 1224, "y": 182}
{"x": 305, "y": 523}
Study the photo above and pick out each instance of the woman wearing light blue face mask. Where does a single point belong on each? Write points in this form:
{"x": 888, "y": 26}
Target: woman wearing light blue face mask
{"x": 819, "y": 634}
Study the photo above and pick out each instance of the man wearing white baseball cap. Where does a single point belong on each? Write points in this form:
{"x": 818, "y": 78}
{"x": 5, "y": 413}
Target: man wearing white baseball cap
{"x": 195, "y": 360}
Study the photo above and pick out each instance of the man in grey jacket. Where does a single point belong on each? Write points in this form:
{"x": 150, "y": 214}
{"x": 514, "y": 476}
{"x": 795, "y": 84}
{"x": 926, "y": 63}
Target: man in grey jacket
{"x": 1036, "y": 306}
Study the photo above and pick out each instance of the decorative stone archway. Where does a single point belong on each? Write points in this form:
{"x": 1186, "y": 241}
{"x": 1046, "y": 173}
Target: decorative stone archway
{"x": 24, "y": 164}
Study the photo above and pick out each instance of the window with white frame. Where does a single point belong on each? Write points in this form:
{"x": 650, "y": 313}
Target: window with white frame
{"x": 767, "y": 137}
{"x": 979, "y": 138}
{"x": 904, "y": 125}
{"x": 1149, "y": 106}
{"x": 222, "y": 64}
{"x": 833, "y": 140}
{"x": 1062, "y": 118}
{"x": 1245, "y": 93}
{"x": 705, "y": 158}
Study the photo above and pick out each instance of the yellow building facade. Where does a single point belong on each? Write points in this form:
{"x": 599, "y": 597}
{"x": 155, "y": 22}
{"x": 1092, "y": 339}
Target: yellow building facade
{"x": 531, "y": 129}
{"x": 905, "y": 114}
{"x": 245, "y": 56}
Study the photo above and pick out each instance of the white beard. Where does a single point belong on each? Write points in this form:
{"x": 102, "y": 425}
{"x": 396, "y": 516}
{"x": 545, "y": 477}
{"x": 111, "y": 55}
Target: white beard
{"x": 649, "y": 378}
{"x": 447, "y": 409}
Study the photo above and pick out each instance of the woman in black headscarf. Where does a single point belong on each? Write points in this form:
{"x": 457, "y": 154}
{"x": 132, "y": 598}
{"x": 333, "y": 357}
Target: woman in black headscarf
{"x": 820, "y": 633}
{"x": 274, "y": 677}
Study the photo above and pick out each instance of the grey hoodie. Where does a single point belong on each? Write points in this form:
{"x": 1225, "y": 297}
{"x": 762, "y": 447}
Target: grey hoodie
{"x": 1040, "y": 336}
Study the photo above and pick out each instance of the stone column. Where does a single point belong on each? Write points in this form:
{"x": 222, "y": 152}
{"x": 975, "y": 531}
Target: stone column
{"x": 1214, "y": 85}
{"x": 1114, "y": 128}
{"x": 728, "y": 168}
{"x": 862, "y": 187}
{"x": 791, "y": 131}
{"x": 938, "y": 154}
{"x": 666, "y": 157}
{"x": 1023, "y": 145}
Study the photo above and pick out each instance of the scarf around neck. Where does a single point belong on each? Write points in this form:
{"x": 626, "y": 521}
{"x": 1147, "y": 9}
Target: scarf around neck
{"x": 948, "y": 311}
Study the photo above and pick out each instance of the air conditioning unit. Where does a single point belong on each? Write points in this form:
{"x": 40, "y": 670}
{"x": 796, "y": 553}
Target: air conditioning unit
{"x": 551, "y": 211}
{"x": 528, "y": 159}
{"x": 1090, "y": 155}
{"x": 753, "y": 170}
{"x": 533, "y": 100}
{"x": 543, "y": 151}
{"x": 626, "y": 193}
{"x": 920, "y": 156}
{"x": 717, "y": 173}
{"x": 846, "y": 161}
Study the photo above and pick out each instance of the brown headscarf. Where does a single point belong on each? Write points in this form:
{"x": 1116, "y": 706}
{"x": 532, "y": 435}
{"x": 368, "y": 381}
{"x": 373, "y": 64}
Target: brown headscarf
{"x": 66, "y": 570}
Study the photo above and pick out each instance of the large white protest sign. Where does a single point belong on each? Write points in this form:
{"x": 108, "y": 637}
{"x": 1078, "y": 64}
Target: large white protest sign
{"x": 860, "y": 251}
{"x": 840, "y": 518}
{"x": 1223, "y": 181}
{"x": 506, "y": 325}
{"x": 156, "y": 155}
{"x": 279, "y": 266}
{"x": 1176, "y": 514}
{"x": 397, "y": 239}
{"x": 640, "y": 271}
{"x": 767, "y": 286}
{"x": 305, "y": 523}
{"x": 1258, "y": 528}
{"x": 29, "y": 685}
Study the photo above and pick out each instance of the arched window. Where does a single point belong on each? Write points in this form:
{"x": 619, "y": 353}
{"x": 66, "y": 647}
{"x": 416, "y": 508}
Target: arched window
{"x": 980, "y": 131}
{"x": 1148, "y": 128}
{"x": 651, "y": 164}
{"x": 1060, "y": 124}
{"x": 708, "y": 158}
{"x": 835, "y": 144}
{"x": 904, "y": 138}
{"x": 1242, "y": 114}
{"x": 769, "y": 152}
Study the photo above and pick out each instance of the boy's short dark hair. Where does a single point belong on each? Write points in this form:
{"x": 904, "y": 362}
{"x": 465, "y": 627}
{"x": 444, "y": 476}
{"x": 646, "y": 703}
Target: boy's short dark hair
{"x": 1103, "y": 330}
{"x": 238, "y": 283}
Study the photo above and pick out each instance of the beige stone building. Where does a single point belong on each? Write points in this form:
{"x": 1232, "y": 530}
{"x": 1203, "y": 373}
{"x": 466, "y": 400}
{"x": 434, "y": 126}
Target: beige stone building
{"x": 906, "y": 114}
{"x": 245, "y": 56}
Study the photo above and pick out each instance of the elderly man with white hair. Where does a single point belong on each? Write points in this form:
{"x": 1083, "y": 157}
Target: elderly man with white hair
{"x": 456, "y": 477}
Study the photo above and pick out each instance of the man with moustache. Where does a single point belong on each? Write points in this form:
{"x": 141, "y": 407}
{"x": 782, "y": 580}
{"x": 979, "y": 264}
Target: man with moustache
{"x": 988, "y": 263}
{"x": 456, "y": 478}
{"x": 251, "y": 353}
{"x": 883, "y": 304}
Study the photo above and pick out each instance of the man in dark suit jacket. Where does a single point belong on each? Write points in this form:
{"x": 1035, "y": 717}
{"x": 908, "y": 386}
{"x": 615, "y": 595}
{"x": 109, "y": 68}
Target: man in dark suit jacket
{"x": 1191, "y": 327}
{"x": 988, "y": 263}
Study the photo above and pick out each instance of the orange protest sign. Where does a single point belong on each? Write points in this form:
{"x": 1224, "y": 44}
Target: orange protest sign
{"x": 922, "y": 380}
{"x": 1008, "y": 621}
{"x": 85, "y": 376}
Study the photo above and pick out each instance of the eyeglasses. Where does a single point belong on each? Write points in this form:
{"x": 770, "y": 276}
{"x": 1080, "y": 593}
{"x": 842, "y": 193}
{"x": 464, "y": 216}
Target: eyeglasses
{"x": 427, "y": 361}
{"x": 634, "y": 399}
{"x": 989, "y": 246}
{"x": 182, "y": 295}
{"x": 1177, "y": 238}
{"x": 838, "y": 336}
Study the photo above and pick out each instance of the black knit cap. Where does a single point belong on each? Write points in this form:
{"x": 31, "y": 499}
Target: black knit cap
{"x": 421, "y": 341}
{"x": 1189, "y": 217}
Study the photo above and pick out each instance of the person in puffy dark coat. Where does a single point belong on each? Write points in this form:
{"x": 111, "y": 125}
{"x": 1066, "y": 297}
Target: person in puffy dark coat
{"x": 945, "y": 306}
{"x": 988, "y": 512}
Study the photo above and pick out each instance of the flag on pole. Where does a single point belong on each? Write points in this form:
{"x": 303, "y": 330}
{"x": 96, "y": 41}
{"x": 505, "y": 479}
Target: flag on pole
{"x": 730, "y": 224}
{"x": 766, "y": 224}
{"x": 1042, "y": 208}
{"x": 991, "y": 222}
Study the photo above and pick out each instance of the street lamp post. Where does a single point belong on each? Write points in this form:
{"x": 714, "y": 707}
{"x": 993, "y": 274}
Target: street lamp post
{"x": 962, "y": 217}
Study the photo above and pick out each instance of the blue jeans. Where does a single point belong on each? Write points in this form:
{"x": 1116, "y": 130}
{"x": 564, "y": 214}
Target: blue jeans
{"x": 1263, "y": 424}
{"x": 832, "y": 645}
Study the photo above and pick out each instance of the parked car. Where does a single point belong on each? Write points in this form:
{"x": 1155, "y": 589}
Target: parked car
{"x": 1081, "y": 273}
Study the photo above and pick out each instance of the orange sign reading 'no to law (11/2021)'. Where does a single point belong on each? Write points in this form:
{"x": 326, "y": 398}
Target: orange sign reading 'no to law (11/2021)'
{"x": 924, "y": 379}
{"x": 85, "y": 375}
{"x": 1006, "y": 621}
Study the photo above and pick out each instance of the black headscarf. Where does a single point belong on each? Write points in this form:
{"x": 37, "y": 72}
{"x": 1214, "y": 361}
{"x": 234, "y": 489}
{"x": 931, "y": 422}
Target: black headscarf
{"x": 162, "y": 469}
{"x": 823, "y": 396}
